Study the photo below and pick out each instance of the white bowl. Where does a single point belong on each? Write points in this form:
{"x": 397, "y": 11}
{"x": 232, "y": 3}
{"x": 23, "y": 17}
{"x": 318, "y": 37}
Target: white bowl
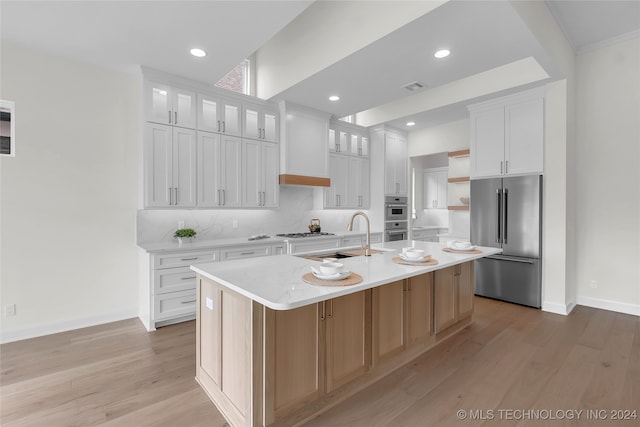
{"x": 408, "y": 248}
{"x": 460, "y": 245}
{"x": 414, "y": 254}
{"x": 330, "y": 268}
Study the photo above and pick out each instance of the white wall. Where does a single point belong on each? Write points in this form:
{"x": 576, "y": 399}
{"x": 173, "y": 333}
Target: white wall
{"x": 68, "y": 198}
{"x": 608, "y": 177}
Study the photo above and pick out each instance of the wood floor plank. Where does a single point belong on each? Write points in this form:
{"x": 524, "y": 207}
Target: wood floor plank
{"x": 510, "y": 358}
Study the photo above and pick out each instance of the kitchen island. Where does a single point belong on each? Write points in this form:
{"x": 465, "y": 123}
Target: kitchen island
{"x": 274, "y": 350}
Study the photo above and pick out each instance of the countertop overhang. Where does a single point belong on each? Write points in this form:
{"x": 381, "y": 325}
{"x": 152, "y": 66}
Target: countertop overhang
{"x": 276, "y": 281}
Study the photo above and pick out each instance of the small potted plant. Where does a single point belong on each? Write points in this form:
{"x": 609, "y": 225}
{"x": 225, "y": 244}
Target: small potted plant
{"x": 184, "y": 233}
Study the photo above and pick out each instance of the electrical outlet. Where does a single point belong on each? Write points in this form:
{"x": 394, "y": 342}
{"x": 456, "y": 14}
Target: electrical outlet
{"x": 180, "y": 224}
{"x": 594, "y": 284}
{"x": 235, "y": 223}
{"x": 9, "y": 310}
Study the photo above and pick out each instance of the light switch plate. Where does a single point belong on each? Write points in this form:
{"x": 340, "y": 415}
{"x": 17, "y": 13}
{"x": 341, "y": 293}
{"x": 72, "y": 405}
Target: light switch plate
{"x": 209, "y": 302}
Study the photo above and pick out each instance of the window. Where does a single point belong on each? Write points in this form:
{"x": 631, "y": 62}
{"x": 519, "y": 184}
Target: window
{"x": 348, "y": 119}
{"x": 238, "y": 79}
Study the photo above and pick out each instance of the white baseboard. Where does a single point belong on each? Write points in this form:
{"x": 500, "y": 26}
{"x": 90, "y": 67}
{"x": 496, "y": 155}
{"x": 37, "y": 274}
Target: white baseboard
{"x": 557, "y": 308}
{"x": 69, "y": 325}
{"x": 617, "y": 306}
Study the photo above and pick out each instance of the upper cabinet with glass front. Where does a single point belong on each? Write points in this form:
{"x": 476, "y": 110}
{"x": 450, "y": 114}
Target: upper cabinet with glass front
{"x": 169, "y": 105}
{"x": 261, "y": 122}
{"x": 220, "y": 115}
{"x": 346, "y": 138}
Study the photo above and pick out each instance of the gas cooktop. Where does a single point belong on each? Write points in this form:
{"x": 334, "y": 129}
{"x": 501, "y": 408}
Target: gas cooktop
{"x": 298, "y": 235}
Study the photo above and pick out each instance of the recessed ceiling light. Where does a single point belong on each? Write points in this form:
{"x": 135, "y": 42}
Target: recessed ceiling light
{"x": 334, "y": 98}
{"x": 411, "y": 123}
{"x": 442, "y": 53}
{"x": 198, "y": 52}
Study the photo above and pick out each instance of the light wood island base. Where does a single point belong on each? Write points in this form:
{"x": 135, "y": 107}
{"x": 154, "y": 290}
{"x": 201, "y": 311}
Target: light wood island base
{"x": 264, "y": 367}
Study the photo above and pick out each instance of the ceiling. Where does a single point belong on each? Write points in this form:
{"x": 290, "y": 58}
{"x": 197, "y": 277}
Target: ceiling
{"x": 158, "y": 34}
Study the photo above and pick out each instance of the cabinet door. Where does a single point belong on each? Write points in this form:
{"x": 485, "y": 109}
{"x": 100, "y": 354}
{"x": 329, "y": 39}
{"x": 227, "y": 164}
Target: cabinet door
{"x": 336, "y": 194}
{"x": 430, "y": 198}
{"x": 270, "y": 169}
{"x": 251, "y": 122}
{"x": 184, "y": 108}
{"x": 251, "y": 180}
{"x": 444, "y": 292}
{"x": 158, "y": 165}
{"x": 465, "y": 290}
{"x": 395, "y": 164}
{"x": 294, "y": 355}
{"x": 344, "y": 141}
{"x": 333, "y": 140}
{"x": 231, "y": 114}
{"x": 270, "y": 125}
{"x": 230, "y": 168}
{"x": 364, "y": 147}
{"x": 524, "y": 137}
{"x": 419, "y": 309}
{"x": 442, "y": 188}
{"x": 208, "y": 113}
{"x": 388, "y": 316}
{"x": 347, "y": 338}
{"x": 184, "y": 167}
{"x": 358, "y": 182}
{"x": 487, "y": 143}
{"x": 158, "y": 102}
{"x": 354, "y": 144}
{"x": 209, "y": 170}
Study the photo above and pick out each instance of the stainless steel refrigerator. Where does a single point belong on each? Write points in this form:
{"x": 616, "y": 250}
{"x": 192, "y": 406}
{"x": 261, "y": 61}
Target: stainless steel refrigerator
{"x": 507, "y": 213}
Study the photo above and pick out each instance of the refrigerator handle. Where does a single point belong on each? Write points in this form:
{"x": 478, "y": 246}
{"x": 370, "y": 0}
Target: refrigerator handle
{"x": 506, "y": 214}
{"x": 499, "y": 200}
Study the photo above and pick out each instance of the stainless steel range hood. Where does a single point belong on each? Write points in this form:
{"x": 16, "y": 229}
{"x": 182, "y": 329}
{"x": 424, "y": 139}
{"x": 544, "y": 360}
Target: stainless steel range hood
{"x": 304, "y": 146}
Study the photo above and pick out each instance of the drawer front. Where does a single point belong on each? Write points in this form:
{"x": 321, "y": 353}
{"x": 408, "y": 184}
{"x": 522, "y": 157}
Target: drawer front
{"x": 173, "y": 279}
{"x": 240, "y": 253}
{"x": 174, "y": 304}
{"x": 183, "y": 259}
{"x": 352, "y": 241}
{"x": 298, "y": 247}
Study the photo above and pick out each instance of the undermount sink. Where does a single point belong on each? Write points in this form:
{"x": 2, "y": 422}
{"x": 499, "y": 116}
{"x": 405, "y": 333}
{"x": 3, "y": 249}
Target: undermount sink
{"x": 338, "y": 254}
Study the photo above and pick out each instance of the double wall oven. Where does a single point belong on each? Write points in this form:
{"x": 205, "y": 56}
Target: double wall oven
{"x": 396, "y": 218}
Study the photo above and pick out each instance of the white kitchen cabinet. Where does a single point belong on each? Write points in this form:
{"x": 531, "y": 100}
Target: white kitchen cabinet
{"x": 435, "y": 188}
{"x": 170, "y": 166}
{"x": 395, "y": 164}
{"x": 169, "y": 105}
{"x": 219, "y": 114}
{"x": 507, "y": 136}
{"x": 173, "y": 286}
{"x": 358, "y": 172}
{"x": 251, "y": 250}
{"x": 219, "y": 166}
{"x": 336, "y": 196}
{"x": 261, "y": 122}
{"x": 345, "y": 138}
{"x": 260, "y": 186}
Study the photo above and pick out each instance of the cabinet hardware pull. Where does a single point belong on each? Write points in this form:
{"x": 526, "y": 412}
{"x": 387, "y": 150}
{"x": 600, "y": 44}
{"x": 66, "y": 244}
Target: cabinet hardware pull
{"x": 170, "y": 198}
{"x": 501, "y": 167}
{"x": 175, "y": 114}
{"x": 224, "y": 197}
{"x": 330, "y": 309}
{"x": 322, "y": 312}
{"x": 218, "y": 126}
{"x": 169, "y": 116}
{"x": 506, "y": 166}
{"x": 219, "y": 198}
{"x": 176, "y": 198}
{"x": 499, "y": 200}
{"x": 247, "y": 253}
{"x": 189, "y": 259}
{"x": 188, "y": 302}
{"x": 188, "y": 278}
{"x": 264, "y": 198}
{"x": 224, "y": 127}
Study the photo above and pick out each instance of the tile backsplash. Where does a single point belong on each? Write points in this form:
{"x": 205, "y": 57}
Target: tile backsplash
{"x": 295, "y": 211}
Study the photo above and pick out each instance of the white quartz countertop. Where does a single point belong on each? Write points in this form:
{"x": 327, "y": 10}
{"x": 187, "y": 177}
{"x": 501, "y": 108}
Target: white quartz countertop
{"x": 276, "y": 281}
{"x": 197, "y": 244}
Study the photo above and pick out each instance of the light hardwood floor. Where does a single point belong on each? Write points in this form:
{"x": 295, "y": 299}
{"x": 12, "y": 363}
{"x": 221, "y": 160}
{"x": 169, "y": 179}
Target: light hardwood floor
{"x": 511, "y": 359}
